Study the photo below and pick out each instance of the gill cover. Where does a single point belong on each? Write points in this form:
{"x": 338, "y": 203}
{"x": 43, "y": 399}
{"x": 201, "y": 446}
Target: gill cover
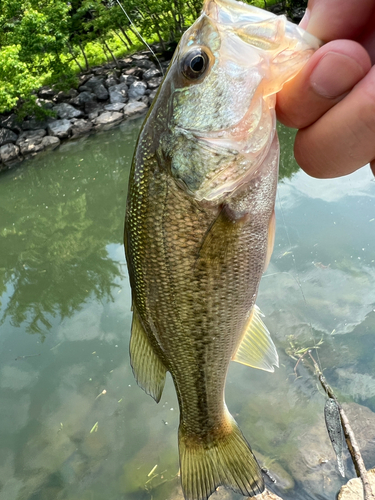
{"x": 231, "y": 62}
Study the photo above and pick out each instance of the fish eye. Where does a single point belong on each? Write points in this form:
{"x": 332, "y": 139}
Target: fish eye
{"x": 194, "y": 64}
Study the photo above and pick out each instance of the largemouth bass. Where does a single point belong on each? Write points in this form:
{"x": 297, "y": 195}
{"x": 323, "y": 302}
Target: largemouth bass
{"x": 200, "y": 227}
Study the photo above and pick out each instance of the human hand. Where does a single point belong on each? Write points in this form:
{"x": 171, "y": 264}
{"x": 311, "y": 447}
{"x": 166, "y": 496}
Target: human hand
{"x": 332, "y": 100}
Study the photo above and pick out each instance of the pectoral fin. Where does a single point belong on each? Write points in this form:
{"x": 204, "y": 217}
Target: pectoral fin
{"x": 148, "y": 369}
{"x": 257, "y": 349}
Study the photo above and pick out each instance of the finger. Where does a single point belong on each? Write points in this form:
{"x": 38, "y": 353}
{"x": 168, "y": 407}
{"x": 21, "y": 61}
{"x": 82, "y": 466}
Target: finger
{"x": 335, "y": 19}
{"x": 343, "y": 139}
{"x": 327, "y": 77}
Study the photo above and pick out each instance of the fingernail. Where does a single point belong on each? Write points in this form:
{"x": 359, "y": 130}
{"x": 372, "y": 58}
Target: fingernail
{"x": 305, "y": 20}
{"x": 335, "y": 74}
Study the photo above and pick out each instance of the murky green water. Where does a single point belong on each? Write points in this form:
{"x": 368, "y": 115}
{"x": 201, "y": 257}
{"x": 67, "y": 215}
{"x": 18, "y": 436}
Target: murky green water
{"x": 73, "y": 423}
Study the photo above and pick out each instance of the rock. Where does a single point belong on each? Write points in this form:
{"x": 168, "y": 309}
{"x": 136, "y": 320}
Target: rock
{"x": 50, "y": 142}
{"x": 108, "y": 120}
{"x": 100, "y": 91}
{"x": 151, "y": 73}
{"x": 61, "y": 96}
{"x": 154, "y": 83}
{"x": 83, "y": 79}
{"x": 151, "y": 96}
{"x": 11, "y": 122}
{"x": 46, "y": 92}
{"x": 30, "y": 142}
{"x": 31, "y": 136}
{"x": 93, "y": 107}
{"x": 30, "y": 148}
{"x": 128, "y": 79}
{"x": 267, "y": 495}
{"x": 139, "y": 57}
{"x": 118, "y": 93}
{"x": 131, "y": 71}
{"x": 81, "y": 127}
{"x": 7, "y": 136}
{"x": 43, "y": 103}
{"x": 136, "y": 91}
{"x": 91, "y": 116}
{"x": 117, "y": 106}
{"x": 95, "y": 85}
{"x": 111, "y": 81}
{"x": 67, "y": 111}
{"x": 9, "y": 154}
{"x": 145, "y": 64}
{"x": 83, "y": 98}
{"x": 60, "y": 128}
{"x": 34, "y": 124}
{"x": 362, "y": 422}
{"x": 353, "y": 490}
{"x": 134, "y": 108}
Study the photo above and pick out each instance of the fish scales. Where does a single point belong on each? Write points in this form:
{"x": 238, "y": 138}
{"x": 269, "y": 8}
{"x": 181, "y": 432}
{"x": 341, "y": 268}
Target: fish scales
{"x": 199, "y": 230}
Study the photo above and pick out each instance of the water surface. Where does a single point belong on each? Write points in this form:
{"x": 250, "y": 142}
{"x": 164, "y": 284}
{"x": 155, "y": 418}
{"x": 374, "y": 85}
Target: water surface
{"x": 73, "y": 423}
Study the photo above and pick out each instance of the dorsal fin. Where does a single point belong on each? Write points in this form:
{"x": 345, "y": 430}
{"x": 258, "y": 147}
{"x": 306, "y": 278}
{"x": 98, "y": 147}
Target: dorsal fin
{"x": 148, "y": 369}
{"x": 256, "y": 348}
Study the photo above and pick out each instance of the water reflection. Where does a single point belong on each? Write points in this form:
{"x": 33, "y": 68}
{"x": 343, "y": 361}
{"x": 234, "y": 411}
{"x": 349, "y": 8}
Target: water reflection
{"x": 58, "y": 216}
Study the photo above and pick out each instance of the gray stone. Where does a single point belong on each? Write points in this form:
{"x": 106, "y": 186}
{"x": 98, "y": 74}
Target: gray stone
{"x": 30, "y": 148}
{"x": 60, "y": 128}
{"x": 118, "y": 93}
{"x": 31, "y": 136}
{"x": 84, "y": 78}
{"x": 108, "y": 120}
{"x": 11, "y": 122}
{"x": 136, "y": 91}
{"x": 67, "y": 111}
{"x": 83, "y": 98}
{"x": 353, "y": 490}
{"x": 34, "y": 124}
{"x": 151, "y": 96}
{"x": 81, "y": 127}
{"x": 93, "y": 107}
{"x": 134, "y": 108}
{"x": 46, "y": 92}
{"x": 151, "y": 73}
{"x": 43, "y": 103}
{"x": 110, "y": 81}
{"x": 100, "y": 91}
{"x": 70, "y": 94}
{"x": 93, "y": 115}
{"x": 117, "y": 106}
{"x": 7, "y": 136}
{"x": 145, "y": 64}
{"x": 50, "y": 142}
{"x": 154, "y": 83}
{"x": 128, "y": 79}
{"x": 95, "y": 85}
{"x": 9, "y": 153}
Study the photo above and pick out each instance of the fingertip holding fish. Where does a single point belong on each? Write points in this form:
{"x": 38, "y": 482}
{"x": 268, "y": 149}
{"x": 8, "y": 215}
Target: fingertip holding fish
{"x": 199, "y": 229}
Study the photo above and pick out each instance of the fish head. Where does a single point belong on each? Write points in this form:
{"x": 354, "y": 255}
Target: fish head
{"x": 223, "y": 79}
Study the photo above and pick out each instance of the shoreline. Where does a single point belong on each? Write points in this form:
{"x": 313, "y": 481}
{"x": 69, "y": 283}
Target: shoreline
{"x": 106, "y": 96}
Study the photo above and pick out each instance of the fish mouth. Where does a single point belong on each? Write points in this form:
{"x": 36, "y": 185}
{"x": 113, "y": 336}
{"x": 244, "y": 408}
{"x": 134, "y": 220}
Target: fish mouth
{"x": 232, "y": 14}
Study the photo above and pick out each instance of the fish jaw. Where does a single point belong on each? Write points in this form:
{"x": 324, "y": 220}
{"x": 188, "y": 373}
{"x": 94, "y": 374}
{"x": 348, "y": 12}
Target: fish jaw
{"x": 229, "y": 114}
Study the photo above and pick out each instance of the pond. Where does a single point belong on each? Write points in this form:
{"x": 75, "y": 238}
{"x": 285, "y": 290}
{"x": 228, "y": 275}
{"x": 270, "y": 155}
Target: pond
{"x": 73, "y": 423}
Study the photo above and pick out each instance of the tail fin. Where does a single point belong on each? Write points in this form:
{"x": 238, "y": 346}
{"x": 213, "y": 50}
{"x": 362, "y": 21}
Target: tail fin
{"x": 226, "y": 461}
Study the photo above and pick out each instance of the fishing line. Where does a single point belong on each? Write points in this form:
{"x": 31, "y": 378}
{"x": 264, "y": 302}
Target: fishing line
{"x": 296, "y": 277}
{"x": 140, "y": 36}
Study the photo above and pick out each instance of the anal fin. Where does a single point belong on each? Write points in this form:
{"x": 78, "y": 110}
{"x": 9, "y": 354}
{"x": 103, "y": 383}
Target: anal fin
{"x": 148, "y": 369}
{"x": 257, "y": 348}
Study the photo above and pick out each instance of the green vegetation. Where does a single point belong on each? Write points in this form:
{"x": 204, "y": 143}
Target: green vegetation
{"x": 48, "y": 41}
